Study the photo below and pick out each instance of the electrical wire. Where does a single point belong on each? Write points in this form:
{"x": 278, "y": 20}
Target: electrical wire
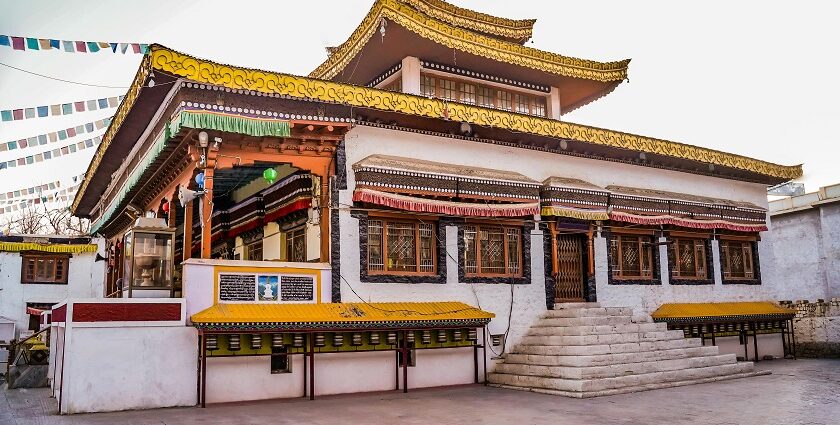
{"x": 61, "y": 79}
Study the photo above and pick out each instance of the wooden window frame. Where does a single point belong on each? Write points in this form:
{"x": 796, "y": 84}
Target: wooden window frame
{"x": 675, "y": 268}
{"x": 394, "y": 218}
{"x": 619, "y": 274}
{"x": 435, "y": 88}
{"x": 26, "y": 278}
{"x": 725, "y": 260}
{"x": 247, "y": 250}
{"x": 505, "y": 227}
{"x": 289, "y": 242}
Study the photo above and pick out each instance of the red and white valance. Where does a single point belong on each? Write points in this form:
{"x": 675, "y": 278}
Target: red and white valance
{"x": 465, "y": 209}
{"x": 685, "y": 222}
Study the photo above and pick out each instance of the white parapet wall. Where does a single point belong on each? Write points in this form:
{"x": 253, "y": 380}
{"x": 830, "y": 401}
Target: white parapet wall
{"x": 122, "y": 354}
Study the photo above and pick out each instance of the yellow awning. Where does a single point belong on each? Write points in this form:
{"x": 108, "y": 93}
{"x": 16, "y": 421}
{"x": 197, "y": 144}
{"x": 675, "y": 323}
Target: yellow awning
{"x": 55, "y": 248}
{"x": 341, "y": 315}
{"x": 720, "y": 311}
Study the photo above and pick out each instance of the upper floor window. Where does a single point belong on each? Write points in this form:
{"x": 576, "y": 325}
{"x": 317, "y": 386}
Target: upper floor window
{"x": 395, "y": 85}
{"x": 455, "y": 90}
{"x": 486, "y": 97}
{"x": 492, "y": 250}
{"x": 689, "y": 259}
{"x": 428, "y": 86}
{"x": 504, "y": 100}
{"x": 254, "y": 251}
{"x": 467, "y": 93}
{"x": 401, "y": 247}
{"x": 296, "y": 245}
{"x": 631, "y": 256}
{"x": 448, "y": 90}
{"x": 736, "y": 260}
{"x": 44, "y": 268}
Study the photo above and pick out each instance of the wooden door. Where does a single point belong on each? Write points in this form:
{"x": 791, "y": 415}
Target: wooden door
{"x": 570, "y": 273}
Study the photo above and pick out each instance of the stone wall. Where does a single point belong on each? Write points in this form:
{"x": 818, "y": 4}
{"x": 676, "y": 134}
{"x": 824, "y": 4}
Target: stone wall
{"x": 817, "y": 327}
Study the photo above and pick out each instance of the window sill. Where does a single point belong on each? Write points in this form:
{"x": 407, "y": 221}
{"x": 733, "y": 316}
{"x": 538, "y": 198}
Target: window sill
{"x": 742, "y": 282}
{"x": 677, "y": 281}
{"x": 616, "y": 281}
{"x": 43, "y": 283}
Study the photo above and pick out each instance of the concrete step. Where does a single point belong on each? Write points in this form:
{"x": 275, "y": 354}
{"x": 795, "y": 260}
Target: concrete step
{"x": 602, "y": 339}
{"x": 590, "y": 312}
{"x": 583, "y": 321}
{"x": 613, "y": 371}
{"x": 637, "y": 388}
{"x": 596, "y": 329}
{"x": 589, "y": 350}
{"x": 605, "y": 384}
{"x": 611, "y": 359}
{"x": 566, "y": 306}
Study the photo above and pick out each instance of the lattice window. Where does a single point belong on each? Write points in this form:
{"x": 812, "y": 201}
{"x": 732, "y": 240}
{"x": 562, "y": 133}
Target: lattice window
{"x": 522, "y": 103}
{"x": 401, "y": 247}
{"x": 448, "y": 90}
{"x": 467, "y": 93}
{"x": 689, "y": 258}
{"x": 631, "y": 256}
{"x": 395, "y": 85}
{"x": 504, "y": 100}
{"x": 254, "y": 251}
{"x": 736, "y": 260}
{"x": 296, "y": 245}
{"x": 486, "y": 97}
{"x": 492, "y": 250}
{"x": 538, "y": 107}
{"x": 40, "y": 268}
{"x": 428, "y": 86}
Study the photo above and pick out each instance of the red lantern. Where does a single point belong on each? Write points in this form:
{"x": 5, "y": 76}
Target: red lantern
{"x": 166, "y": 207}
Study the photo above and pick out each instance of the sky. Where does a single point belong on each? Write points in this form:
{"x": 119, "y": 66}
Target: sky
{"x": 755, "y": 78}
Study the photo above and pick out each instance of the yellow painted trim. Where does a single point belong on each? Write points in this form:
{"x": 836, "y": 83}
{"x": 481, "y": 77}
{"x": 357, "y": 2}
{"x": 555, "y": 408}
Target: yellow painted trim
{"x": 693, "y": 310}
{"x": 53, "y": 248}
{"x": 257, "y": 270}
{"x": 466, "y": 41}
{"x": 573, "y": 213}
{"x": 518, "y": 29}
{"x": 204, "y": 71}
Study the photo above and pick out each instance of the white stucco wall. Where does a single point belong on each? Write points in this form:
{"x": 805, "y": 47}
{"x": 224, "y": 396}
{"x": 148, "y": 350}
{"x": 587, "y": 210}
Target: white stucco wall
{"x": 86, "y": 279}
{"x": 363, "y": 141}
{"x": 806, "y": 248}
{"x": 122, "y": 368}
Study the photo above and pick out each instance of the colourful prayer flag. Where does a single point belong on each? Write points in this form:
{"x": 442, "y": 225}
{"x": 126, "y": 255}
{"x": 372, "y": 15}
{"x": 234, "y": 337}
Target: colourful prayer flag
{"x": 144, "y": 48}
{"x": 18, "y": 114}
{"x": 114, "y": 47}
{"x": 93, "y": 47}
{"x": 71, "y": 132}
{"x": 112, "y": 101}
{"x": 18, "y": 43}
{"x": 43, "y": 111}
{"x": 62, "y": 134}
{"x": 29, "y": 113}
{"x": 53, "y": 137}
{"x": 124, "y": 47}
{"x": 80, "y": 106}
{"x": 6, "y": 115}
{"x": 66, "y": 109}
{"x": 55, "y": 110}
{"x": 42, "y": 139}
{"x": 135, "y": 47}
{"x": 103, "y": 103}
{"x": 81, "y": 46}
{"x": 103, "y": 45}
{"x": 55, "y": 44}
{"x": 68, "y": 46}
{"x": 89, "y": 127}
{"x": 72, "y": 148}
{"x": 22, "y": 143}
{"x": 5, "y": 41}
{"x": 91, "y": 105}
{"x": 32, "y": 44}
{"x": 44, "y": 43}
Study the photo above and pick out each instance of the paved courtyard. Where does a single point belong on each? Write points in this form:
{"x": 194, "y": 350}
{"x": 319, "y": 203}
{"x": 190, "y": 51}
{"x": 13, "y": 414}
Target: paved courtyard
{"x": 798, "y": 392}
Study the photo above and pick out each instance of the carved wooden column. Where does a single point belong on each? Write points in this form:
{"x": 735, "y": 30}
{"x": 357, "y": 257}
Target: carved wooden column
{"x": 207, "y": 203}
{"x": 188, "y": 236}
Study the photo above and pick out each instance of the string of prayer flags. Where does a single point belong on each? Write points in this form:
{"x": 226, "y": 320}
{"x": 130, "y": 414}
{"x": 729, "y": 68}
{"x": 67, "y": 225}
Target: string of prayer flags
{"x": 55, "y": 136}
{"x": 45, "y": 111}
{"x": 71, "y": 46}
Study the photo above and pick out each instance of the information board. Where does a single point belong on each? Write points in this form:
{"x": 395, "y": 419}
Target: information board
{"x": 297, "y": 288}
{"x": 237, "y": 287}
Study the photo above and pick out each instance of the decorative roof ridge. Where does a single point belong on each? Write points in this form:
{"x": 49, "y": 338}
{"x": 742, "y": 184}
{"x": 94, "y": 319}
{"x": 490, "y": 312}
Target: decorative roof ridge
{"x": 466, "y": 41}
{"x": 516, "y": 29}
{"x": 209, "y": 72}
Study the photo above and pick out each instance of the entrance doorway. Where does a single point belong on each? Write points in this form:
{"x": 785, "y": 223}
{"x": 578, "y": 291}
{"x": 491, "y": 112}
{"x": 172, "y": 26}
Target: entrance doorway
{"x": 571, "y": 273}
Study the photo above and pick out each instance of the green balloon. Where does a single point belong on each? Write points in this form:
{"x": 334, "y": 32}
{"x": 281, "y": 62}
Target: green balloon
{"x": 270, "y": 175}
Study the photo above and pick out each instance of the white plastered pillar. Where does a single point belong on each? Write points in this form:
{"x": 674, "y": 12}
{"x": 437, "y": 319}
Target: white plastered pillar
{"x": 410, "y": 74}
{"x": 554, "y": 111}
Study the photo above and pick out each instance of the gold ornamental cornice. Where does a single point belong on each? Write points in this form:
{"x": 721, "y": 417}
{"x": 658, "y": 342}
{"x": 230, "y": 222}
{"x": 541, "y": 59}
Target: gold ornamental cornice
{"x": 116, "y": 122}
{"x": 208, "y": 72}
{"x": 466, "y": 41}
{"x": 516, "y": 29}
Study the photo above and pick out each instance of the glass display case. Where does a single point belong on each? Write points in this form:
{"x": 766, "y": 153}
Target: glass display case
{"x": 149, "y": 259}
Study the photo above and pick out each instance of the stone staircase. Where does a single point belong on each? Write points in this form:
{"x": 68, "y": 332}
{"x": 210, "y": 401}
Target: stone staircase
{"x": 584, "y": 350}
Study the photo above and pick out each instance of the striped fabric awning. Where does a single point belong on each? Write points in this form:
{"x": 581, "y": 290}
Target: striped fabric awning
{"x": 426, "y": 186}
{"x": 573, "y": 198}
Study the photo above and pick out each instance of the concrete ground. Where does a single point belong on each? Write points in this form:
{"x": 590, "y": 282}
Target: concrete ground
{"x": 798, "y": 392}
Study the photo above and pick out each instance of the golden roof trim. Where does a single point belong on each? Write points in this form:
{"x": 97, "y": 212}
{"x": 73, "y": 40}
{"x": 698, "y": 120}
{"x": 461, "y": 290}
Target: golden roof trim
{"x": 204, "y": 71}
{"x": 517, "y": 29}
{"x": 335, "y": 313}
{"x": 466, "y": 41}
{"x": 720, "y": 309}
